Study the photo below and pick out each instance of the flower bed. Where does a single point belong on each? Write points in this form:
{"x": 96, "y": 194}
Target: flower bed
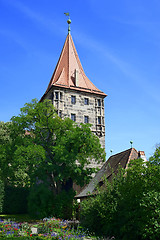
{"x": 48, "y": 228}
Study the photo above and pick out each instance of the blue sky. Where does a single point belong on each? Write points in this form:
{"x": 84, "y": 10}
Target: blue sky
{"x": 118, "y": 43}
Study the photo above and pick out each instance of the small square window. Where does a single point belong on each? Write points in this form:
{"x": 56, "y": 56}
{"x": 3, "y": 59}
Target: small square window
{"x": 86, "y": 101}
{"x": 73, "y": 99}
{"x": 99, "y": 120}
{"x": 86, "y": 119}
{"x": 73, "y": 117}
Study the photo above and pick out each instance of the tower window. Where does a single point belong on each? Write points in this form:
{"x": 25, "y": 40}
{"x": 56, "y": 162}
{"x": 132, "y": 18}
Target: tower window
{"x": 99, "y": 102}
{"x": 99, "y": 120}
{"x": 60, "y": 95}
{"x": 73, "y": 99}
{"x": 86, "y": 101}
{"x": 56, "y": 95}
{"x": 86, "y": 119}
{"x": 73, "y": 117}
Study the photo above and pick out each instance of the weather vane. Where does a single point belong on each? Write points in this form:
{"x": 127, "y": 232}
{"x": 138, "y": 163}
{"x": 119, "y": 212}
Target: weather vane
{"x": 68, "y": 21}
{"x": 131, "y": 142}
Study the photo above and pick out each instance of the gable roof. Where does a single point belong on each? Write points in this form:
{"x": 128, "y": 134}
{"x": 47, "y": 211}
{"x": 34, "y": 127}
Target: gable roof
{"x": 64, "y": 73}
{"x": 111, "y": 166}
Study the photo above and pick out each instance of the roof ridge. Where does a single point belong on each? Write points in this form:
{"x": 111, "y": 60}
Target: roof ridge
{"x": 129, "y": 158}
{"x": 60, "y": 57}
{"x": 131, "y": 153}
{"x": 76, "y": 54}
{"x": 119, "y": 153}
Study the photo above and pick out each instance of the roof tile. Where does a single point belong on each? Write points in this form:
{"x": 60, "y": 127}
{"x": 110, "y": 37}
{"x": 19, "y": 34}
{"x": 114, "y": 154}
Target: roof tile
{"x": 64, "y": 73}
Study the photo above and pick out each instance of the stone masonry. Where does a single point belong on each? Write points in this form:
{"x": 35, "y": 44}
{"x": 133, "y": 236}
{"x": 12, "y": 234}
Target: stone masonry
{"x": 80, "y": 107}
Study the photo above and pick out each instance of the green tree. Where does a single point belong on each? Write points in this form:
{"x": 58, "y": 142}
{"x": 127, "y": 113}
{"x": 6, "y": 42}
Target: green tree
{"x": 10, "y": 172}
{"x": 5, "y": 141}
{"x": 155, "y": 159}
{"x": 46, "y": 149}
{"x": 14, "y": 198}
{"x": 129, "y": 207}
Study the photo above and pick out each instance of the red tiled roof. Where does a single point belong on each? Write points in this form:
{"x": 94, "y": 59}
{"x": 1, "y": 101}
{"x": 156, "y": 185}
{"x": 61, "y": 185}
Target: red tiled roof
{"x": 64, "y": 73}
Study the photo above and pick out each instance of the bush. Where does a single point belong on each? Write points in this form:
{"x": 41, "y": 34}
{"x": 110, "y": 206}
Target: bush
{"x": 63, "y": 203}
{"x": 1, "y": 195}
{"x": 129, "y": 208}
{"x": 97, "y": 212}
{"x": 15, "y": 200}
{"x": 40, "y": 201}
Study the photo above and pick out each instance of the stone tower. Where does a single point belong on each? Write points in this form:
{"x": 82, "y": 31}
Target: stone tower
{"x": 73, "y": 94}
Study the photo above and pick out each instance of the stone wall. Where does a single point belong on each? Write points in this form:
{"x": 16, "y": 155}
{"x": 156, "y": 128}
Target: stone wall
{"x": 81, "y": 107}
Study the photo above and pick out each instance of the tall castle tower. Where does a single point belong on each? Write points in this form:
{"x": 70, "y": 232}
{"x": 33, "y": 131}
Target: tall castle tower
{"x": 73, "y": 94}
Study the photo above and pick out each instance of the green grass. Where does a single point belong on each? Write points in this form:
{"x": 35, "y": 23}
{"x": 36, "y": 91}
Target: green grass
{"x": 18, "y": 217}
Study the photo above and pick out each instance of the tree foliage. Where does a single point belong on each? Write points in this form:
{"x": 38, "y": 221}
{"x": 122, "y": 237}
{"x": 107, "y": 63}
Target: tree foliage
{"x": 39, "y": 147}
{"x": 5, "y": 142}
{"x": 155, "y": 159}
{"x": 129, "y": 207}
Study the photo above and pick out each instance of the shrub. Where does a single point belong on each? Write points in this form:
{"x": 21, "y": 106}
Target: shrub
{"x": 97, "y": 212}
{"x": 62, "y": 204}
{"x": 40, "y": 201}
{"x": 129, "y": 207}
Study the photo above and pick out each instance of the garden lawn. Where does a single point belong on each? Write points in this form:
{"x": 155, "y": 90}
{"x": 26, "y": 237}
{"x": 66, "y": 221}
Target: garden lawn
{"x": 18, "y": 217}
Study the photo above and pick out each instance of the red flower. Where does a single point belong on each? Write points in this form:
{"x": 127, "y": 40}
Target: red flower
{"x": 31, "y": 235}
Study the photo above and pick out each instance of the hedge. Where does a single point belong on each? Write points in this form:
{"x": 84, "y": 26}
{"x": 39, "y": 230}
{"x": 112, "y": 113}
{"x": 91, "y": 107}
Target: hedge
{"x": 15, "y": 200}
{"x": 1, "y": 195}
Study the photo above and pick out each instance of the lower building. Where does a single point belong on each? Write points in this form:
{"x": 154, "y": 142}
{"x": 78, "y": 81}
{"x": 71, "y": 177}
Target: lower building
{"x": 109, "y": 168}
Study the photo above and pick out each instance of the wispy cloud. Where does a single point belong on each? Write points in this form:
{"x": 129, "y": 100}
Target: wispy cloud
{"x": 126, "y": 68}
{"x": 37, "y": 18}
{"x": 95, "y": 45}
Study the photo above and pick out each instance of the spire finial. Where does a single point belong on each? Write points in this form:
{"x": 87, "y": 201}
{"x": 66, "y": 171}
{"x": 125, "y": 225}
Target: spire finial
{"x": 111, "y": 151}
{"x": 68, "y": 21}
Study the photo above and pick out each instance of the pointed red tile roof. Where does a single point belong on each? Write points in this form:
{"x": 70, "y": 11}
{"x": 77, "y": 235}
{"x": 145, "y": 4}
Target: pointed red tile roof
{"x": 64, "y": 73}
